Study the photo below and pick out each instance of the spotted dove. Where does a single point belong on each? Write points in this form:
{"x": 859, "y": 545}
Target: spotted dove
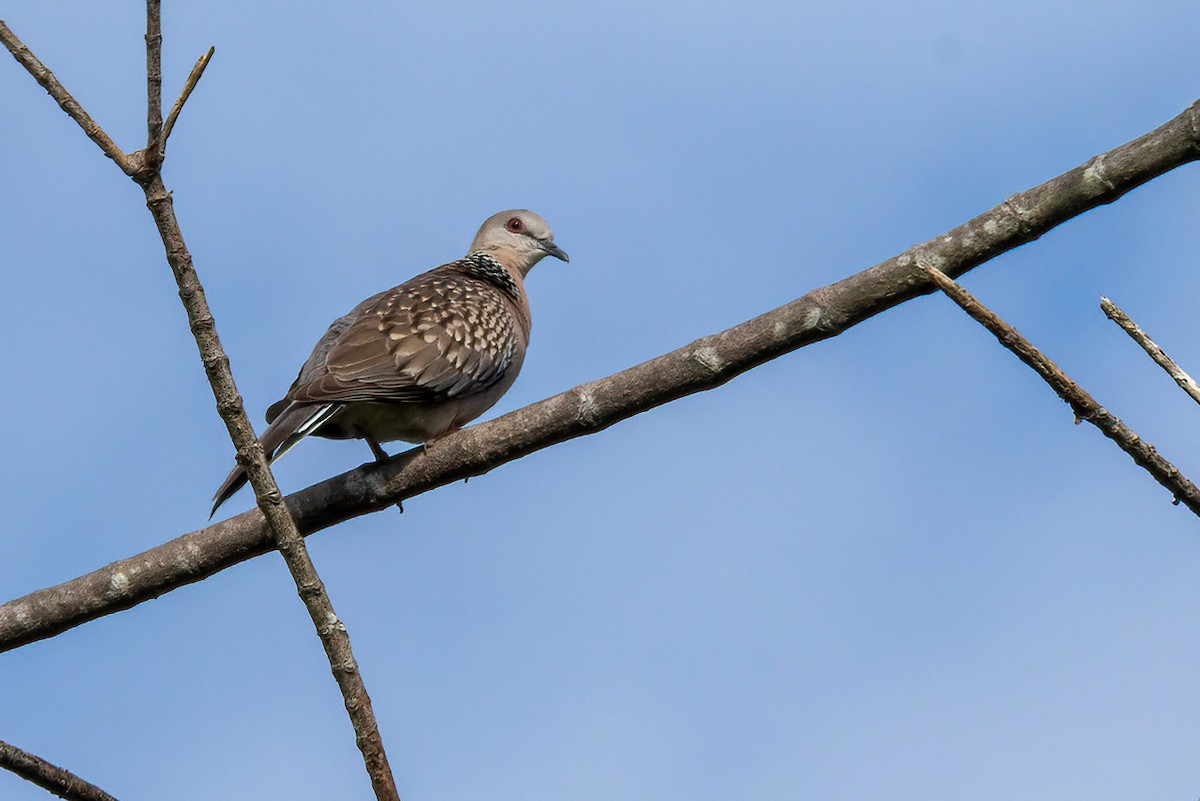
{"x": 422, "y": 359}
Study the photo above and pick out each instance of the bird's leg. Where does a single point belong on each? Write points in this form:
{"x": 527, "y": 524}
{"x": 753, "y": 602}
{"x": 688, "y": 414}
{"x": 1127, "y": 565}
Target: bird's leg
{"x": 380, "y": 456}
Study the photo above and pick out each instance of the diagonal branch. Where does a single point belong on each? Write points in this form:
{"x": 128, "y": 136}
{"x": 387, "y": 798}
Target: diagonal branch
{"x": 286, "y": 537}
{"x": 1188, "y": 384}
{"x": 61, "y": 96}
{"x": 1081, "y": 402}
{"x": 586, "y": 409}
{"x": 330, "y": 629}
{"x": 192, "y": 79}
{"x": 51, "y": 778}
{"x": 146, "y": 172}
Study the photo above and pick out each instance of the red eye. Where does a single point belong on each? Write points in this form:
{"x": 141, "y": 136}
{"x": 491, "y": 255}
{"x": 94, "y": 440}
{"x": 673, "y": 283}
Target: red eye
{"x": 516, "y": 225}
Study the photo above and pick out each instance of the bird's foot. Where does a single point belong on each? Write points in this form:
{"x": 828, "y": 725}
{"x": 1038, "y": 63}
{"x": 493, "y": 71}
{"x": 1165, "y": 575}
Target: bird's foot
{"x": 425, "y": 445}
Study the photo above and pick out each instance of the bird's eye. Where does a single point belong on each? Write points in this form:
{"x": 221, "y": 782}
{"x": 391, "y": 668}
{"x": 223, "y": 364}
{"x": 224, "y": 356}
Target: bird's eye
{"x": 516, "y": 225}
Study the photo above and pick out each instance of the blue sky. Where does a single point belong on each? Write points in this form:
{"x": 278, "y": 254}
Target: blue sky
{"x": 884, "y": 566}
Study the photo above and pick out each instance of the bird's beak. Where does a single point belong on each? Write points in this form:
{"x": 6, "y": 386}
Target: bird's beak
{"x": 554, "y": 250}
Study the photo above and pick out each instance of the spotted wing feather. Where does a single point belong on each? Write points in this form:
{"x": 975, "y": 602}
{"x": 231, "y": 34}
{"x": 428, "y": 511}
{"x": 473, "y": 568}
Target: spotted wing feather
{"x": 441, "y": 335}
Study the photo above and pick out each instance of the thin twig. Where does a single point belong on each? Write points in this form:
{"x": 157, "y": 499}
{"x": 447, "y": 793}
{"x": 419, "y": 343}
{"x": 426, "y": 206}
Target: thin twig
{"x": 52, "y": 778}
{"x": 588, "y": 408}
{"x": 1083, "y": 404}
{"x": 1185, "y": 381}
{"x": 331, "y": 630}
{"x": 190, "y": 84}
{"x": 61, "y": 96}
{"x": 153, "y": 82}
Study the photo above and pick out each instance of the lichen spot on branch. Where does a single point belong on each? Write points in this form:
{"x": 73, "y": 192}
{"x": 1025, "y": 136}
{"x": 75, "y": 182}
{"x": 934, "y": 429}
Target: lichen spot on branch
{"x": 187, "y": 559}
{"x": 588, "y": 412}
{"x": 118, "y": 584}
{"x": 817, "y": 318}
{"x": 708, "y": 358}
{"x": 1097, "y": 173}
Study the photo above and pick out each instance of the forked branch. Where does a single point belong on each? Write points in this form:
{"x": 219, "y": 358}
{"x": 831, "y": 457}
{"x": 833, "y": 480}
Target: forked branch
{"x": 145, "y": 169}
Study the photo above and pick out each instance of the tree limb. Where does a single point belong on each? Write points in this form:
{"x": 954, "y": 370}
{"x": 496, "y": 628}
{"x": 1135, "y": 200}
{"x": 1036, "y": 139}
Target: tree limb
{"x": 1081, "y": 402}
{"x": 147, "y": 173}
{"x": 289, "y": 541}
{"x": 52, "y": 778}
{"x": 153, "y": 82}
{"x": 286, "y": 536}
{"x": 1188, "y": 384}
{"x": 591, "y": 407}
{"x": 61, "y": 96}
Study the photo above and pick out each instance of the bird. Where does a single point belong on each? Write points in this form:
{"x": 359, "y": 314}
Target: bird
{"x": 422, "y": 359}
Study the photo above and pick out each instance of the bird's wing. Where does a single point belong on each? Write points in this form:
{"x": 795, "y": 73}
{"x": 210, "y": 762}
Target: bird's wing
{"x": 314, "y": 366}
{"x": 441, "y": 335}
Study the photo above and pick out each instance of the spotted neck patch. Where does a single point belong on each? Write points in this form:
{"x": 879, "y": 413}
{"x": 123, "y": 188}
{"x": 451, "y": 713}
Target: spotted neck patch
{"x": 485, "y": 266}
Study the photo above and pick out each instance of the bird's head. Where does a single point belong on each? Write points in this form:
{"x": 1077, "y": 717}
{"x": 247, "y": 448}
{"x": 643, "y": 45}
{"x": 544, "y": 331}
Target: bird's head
{"x": 518, "y": 239}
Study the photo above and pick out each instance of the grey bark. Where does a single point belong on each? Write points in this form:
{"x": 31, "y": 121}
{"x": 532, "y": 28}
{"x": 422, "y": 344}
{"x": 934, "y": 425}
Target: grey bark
{"x": 49, "y": 777}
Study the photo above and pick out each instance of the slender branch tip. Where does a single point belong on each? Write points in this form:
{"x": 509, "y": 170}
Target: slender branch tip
{"x": 1185, "y": 382}
{"x": 66, "y": 102}
{"x": 188, "y": 85}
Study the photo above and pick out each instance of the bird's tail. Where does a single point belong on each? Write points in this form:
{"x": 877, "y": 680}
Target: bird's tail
{"x": 293, "y": 424}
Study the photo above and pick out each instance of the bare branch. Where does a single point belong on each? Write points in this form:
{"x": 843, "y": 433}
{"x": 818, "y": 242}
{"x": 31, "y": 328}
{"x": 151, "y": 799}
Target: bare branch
{"x": 52, "y": 778}
{"x": 153, "y": 81}
{"x": 586, "y": 409}
{"x": 190, "y": 84}
{"x": 1083, "y": 404}
{"x": 144, "y": 168}
{"x": 250, "y": 453}
{"x": 331, "y": 630}
{"x": 61, "y": 96}
{"x": 1185, "y": 381}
